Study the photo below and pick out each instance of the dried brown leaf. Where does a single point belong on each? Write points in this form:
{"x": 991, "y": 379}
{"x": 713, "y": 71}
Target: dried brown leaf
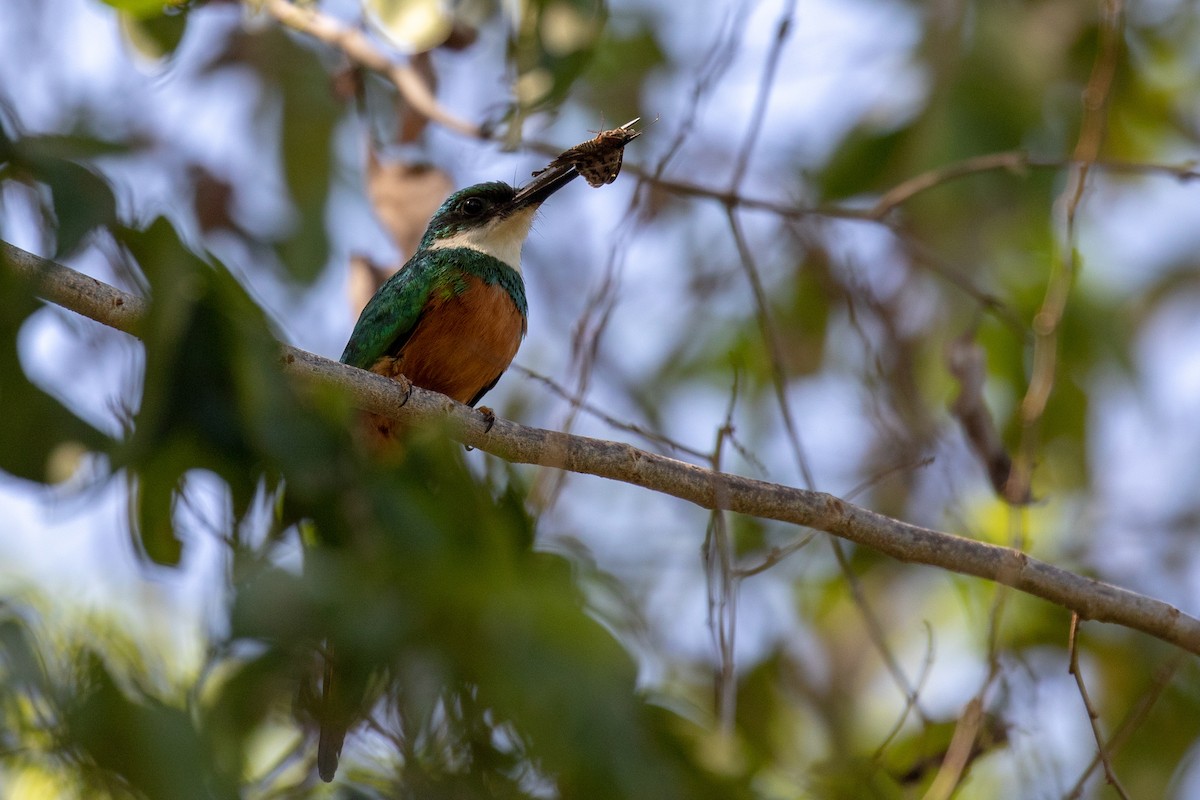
{"x": 405, "y": 196}
{"x": 365, "y": 279}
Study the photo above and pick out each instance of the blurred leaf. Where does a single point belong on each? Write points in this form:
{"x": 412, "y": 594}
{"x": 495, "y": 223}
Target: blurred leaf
{"x": 145, "y": 9}
{"x": 552, "y": 44}
{"x": 155, "y": 36}
{"x": 214, "y": 395}
{"x": 617, "y": 73}
{"x": 39, "y": 426}
{"x": 413, "y": 26}
{"x": 292, "y": 73}
{"x": 862, "y": 163}
{"x": 152, "y": 746}
{"x": 511, "y": 636}
{"x": 82, "y": 201}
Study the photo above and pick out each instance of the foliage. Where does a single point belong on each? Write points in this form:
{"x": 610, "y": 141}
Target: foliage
{"x": 518, "y": 638}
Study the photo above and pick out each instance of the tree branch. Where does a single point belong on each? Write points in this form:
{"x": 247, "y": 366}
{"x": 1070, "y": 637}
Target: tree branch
{"x": 359, "y": 48}
{"x": 1089, "y": 598}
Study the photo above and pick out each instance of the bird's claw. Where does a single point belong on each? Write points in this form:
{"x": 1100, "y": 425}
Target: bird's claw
{"x": 489, "y": 418}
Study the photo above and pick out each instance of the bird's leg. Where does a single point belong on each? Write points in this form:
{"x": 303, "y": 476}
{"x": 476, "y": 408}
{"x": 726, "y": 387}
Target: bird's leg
{"x": 489, "y": 418}
{"x": 407, "y": 385}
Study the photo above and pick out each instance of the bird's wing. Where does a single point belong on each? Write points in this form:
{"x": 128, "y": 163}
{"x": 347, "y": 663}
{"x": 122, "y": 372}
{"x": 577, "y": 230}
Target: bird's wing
{"x": 390, "y": 316}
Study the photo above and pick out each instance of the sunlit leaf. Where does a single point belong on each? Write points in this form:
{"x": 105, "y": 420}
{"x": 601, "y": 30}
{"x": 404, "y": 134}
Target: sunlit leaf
{"x": 552, "y": 44}
{"x": 154, "y": 36}
{"x": 414, "y": 26}
{"x": 144, "y": 9}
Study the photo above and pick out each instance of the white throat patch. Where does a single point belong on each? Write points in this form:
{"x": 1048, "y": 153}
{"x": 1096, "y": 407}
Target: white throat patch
{"x": 501, "y": 239}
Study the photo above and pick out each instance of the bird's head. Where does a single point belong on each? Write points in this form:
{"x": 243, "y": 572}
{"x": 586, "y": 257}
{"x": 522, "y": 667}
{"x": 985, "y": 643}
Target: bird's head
{"x": 493, "y": 218}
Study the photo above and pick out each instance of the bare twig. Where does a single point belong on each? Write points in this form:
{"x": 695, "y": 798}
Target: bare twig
{"x": 721, "y": 577}
{"x": 774, "y": 349}
{"x": 958, "y": 754}
{"x": 911, "y": 702}
{"x": 1049, "y": 317}
{"x": 358, "y": 48}
{"x": 875, "y": 630}
{"x": 774, "y": 556}
{"x": 1014, "y": 160}
{"x": 717, "y": 60}
{"x": 1093, "y": 714}
{"x": 749, "y": 265}
{"x": 1132, "y": 721}
{"x": 759, "y": 112}
{"x": 911, "y": 465}
{"x": 629, "y": 427}
{"x": 1090, "y": 598}
{"x": 585, "y": 346}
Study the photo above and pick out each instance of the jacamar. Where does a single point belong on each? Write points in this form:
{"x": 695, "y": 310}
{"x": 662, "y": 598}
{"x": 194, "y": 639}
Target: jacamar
{"x": 450, "y": 320}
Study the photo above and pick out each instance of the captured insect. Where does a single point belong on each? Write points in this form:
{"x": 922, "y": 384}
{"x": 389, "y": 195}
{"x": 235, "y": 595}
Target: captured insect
{"x": 598, "y": 160}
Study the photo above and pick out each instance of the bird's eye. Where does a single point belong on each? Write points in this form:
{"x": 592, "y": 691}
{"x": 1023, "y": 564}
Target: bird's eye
{"x": 472, "y": 206}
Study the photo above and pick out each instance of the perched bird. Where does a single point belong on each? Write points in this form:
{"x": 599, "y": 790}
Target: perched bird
{"x": 450, "y": 320}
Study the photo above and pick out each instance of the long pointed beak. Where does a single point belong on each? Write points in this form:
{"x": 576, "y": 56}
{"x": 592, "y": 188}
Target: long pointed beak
{"x": 545, "y": 184}
{"x": 554, "y": 177}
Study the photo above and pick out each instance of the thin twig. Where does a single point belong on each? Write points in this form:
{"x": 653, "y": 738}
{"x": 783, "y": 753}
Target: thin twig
{"x": 358, "y": 48}
{"x": 1093, "y": 714}
{"x": 875, "y": 631}
{"x": 717, "y": 60}
{"x": 1013, "y": 160}
{"x": 1133, "y": 719}
{"x": 774, "y": 556}
{"x": 629, "y": 427}
{"x": 1049, "y": 317}
{"x": 1016, "y": 162}
{"x": 911, "y": 702}
{"x": 958, "y": 754}
{"x": 908, "y": 466}
{"x": 722, "y": 584}
{"x": 759, "y": 112}
{"x": 774, "y": 348}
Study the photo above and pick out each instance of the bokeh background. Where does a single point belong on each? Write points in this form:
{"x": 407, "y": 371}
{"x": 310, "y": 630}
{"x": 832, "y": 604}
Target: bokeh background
{"x": 831, "y": 202}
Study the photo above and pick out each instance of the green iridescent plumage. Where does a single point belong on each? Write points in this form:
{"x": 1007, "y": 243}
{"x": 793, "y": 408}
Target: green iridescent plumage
{"x": 393, "y": 313}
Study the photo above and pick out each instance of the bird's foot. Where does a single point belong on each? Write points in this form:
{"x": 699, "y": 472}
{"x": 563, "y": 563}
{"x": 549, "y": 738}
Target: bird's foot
{"x": 489, "y": 418}
{"x": 407, "y": 385}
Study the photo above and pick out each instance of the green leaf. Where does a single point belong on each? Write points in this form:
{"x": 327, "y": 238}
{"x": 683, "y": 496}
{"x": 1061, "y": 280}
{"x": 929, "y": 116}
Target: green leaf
{"x": 155, "y": 36}
{"x": 552, "y": 45}
{"x": 412, "y": 25}
{"x": 40, "y": 432}
{"x": 618, "y": 70}
{"x": 81, "y": 200}
{"x": 152, "y": 746}
{"x": 145, "y": 9}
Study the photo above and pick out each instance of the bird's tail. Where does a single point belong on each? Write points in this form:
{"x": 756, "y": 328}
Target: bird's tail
{"x": 333, "y": 724}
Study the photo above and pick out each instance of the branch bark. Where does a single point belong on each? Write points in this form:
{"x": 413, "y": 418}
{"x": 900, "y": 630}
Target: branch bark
{"x": 1090, "y": 599}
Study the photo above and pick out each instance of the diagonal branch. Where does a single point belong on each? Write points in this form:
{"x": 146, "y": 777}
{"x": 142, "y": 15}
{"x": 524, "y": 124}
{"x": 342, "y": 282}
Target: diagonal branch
{"x": 1090, "y": 599}
{"x": 359, "y": 48}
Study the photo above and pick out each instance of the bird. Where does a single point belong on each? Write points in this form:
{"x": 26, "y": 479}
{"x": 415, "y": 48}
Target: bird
{"x": 450, "y": 320}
